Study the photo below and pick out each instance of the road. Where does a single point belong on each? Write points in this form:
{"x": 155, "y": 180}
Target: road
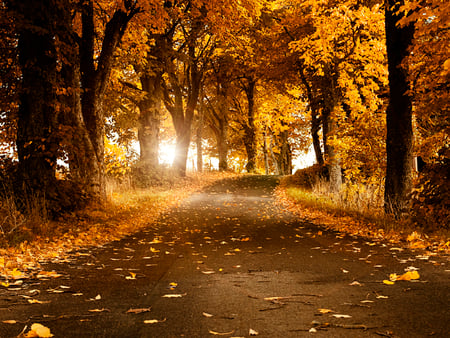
{"x": 230, "y": 262}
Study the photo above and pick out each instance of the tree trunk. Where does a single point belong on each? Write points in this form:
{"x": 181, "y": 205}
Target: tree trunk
{"x": 37, "y": 142}
{"x": 399, "y": 136}
{"x": 222, "y": 146}
{"x": 94, "y": 81}
{"x": 150, "y": 120}
{"x": 315, "y": 127}
{"x": 249, "y": 126}
{"x": 199, "y": 139}
{"x": 315, "y": 118}
{"x": 266, "y": 155}
{"x": 332, "y": 161}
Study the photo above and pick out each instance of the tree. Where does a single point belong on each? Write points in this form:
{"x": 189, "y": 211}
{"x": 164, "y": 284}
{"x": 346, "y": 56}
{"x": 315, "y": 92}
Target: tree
{"x": 39, "y": 113}
{"x": 399, "y": 136}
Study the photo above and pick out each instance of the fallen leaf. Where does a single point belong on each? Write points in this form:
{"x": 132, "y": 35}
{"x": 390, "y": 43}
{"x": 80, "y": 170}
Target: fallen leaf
{"x": 99, "y": 310}
{"x": 312, "y": 330}
{"x": 410, "y": 275}
{"x": 355, "y": 283}
{"x": 388, "y": 282}
{"x": 341, "y": 316}
{"x": 382, "y": 297}
{"x": 35, "y": 301}
{"x": 208, "y": 272}
{"x": 10, "y": 321}
{"x": 39, "y": 330}
{"x": 173, "y": 295}
{"x": 45, "y": 274}
{"x": 136, "y": 311}
{"x": 133, "y": 275}
{"x": 324, "y": 311}
{"x": 154, "y": 321}
{"x": 207, "y": 315}
{"x": 252, "y": 332}
{"x": 220, "y": 333}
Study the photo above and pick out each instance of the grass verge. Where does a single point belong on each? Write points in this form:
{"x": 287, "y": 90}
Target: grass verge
{"x": 370, "y": 223}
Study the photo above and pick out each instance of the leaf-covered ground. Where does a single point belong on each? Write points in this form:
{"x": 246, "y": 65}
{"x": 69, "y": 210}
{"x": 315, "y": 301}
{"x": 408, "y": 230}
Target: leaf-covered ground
{"x": 125, "y": 213}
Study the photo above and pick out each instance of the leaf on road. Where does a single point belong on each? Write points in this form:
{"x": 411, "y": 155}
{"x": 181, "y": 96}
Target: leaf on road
{"x": 341, "y": 316}
{"x": 154, "y": 321}
{"x": 388, "y": 282}
{"x": 136, "y": 311}
{"x": 152, "y": 249}
{"x": 220, "y": 333}
{"x": 207, "y": 315}
{"x": 39, "y": 330}
{"x": 208, "y": 272}
{"x": 46, "y": 274}
{"x": 10, "y": 321}
{"x": 355, "y": 283}
{"x": 174, "y": 295}
{"x": 99, "y": 310}
{"x": 252, "y": 332}
{"x": 35, "y": 301}
{"x": 410, "y": 275}
{"x": 132, "y": 275}
{"x": 324, "y": 311}
{"x": 98, "y": 297}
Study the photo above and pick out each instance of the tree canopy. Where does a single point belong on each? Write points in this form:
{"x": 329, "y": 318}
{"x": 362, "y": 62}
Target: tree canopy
{"x": 258, "y": 82}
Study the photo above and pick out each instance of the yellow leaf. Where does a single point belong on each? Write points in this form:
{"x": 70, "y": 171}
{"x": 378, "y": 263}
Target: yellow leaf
{"x": 388, "y": 282}
{"x": 39, "y": 330}
{"x": 324, "y": 311}
{"x": 133, "y": 276}
{"x": 16, "y": 273}
{"x": 154, "y": 321}
{"x": 11, "y": 321}
{"x": 35, "y": 301}
{"x": 410, "y": 275}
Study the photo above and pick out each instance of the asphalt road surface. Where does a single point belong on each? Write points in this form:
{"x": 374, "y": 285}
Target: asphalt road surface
{"x": 229, "y": 262}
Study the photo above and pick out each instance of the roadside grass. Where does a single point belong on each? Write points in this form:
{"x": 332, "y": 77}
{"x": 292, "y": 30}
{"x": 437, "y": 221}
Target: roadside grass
{"x": 127, "y": 211}
{"x": 362, "y": 215}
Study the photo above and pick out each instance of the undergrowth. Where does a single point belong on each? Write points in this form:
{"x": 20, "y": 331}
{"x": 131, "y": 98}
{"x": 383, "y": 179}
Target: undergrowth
{"x": 358, "y": 209}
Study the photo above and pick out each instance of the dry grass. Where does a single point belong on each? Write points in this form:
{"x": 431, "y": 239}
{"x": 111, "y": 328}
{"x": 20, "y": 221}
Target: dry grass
{"x": 357, "y": 210}
{"x": 126, "y": 212}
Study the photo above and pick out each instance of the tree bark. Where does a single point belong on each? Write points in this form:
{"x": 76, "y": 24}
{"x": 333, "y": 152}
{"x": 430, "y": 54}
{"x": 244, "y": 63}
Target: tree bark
{"x": 332, "y": 160}
{"x": 399, "y": 136}
{"x": 199, "y": 139}
{"x": 37, "y": 142}
{"x": 249, "y": 126}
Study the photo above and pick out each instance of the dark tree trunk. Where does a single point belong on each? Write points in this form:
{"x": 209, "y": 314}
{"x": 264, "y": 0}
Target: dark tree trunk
{"x": 37, "y": 135}
{"x": 199, "y": 139}
{"x": 266, "y": 154}
{"x": 332, "y": 161}
{"x": 315, "y": 127}
{"x": 399, "y": 136}
{"x": 285, "y": 156}
{"x": 315, "y": 118}
{"x": 249, "y": 126}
